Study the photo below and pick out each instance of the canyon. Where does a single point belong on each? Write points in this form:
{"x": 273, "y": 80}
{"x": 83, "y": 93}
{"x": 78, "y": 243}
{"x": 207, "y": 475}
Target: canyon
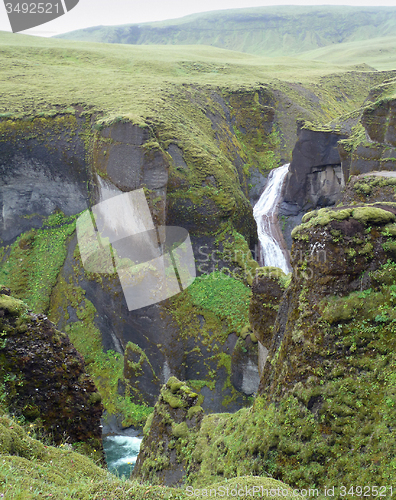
{"x": 205, "y": 372}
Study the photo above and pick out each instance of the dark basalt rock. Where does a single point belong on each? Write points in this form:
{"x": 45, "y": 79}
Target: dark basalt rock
{"x": 42, "y": 169}
{"x": 244, "y": 370}
{"x": 267, "y": 292}
{"x": 44, "y": 376}
{"x": 315, "y": 170}
{"x": 377, "y": 150}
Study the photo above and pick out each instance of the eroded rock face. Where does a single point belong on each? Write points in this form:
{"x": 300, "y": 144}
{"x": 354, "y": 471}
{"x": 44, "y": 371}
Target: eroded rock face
{"x": 44, "y": 376}
{"x": 42, "y": 170}
{"x": 380, "y": 122}
{"x": 315, "y": 176}
{"x": 326, "y": 403}
{"x": 377, "y": 149}
{"x": 267, "y": 292}
{"x": 63, "y": 165}
{"x": 334, "y": 253}
{"x": 315, "y": 170}
{"x": 170, "y": 429}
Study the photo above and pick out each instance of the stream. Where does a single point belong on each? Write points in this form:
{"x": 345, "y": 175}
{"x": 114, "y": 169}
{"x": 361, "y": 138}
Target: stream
{"x": 269, "y": 232}
{"x": 121, "y": 453}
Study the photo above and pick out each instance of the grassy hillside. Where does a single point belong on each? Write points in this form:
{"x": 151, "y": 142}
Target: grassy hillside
{"x": 136, "y": 82}
{"x": 380, "y": 53}
{"x": 267, "y": 31}
{"x": 31, "y": 469}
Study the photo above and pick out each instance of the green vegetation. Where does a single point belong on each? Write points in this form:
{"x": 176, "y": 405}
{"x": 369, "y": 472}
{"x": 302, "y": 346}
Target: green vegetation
{"x": 378, "y": 53}
{"x": 31, "y": 469}
{"x": 31, "y": 266}
{"x": 336, "y": 423}
{"x": 370, "y": 187}
{"x": 212, "y": 308}
{"x": 105, "y": 368}
{"x": 31, "y": 269}
{"x": 230, "y": 115}
{"x": 366, "y": 214}
{"x": 223, "y": 296}
{"x": 137, "y": 82}
{"x": 273, "y": 31}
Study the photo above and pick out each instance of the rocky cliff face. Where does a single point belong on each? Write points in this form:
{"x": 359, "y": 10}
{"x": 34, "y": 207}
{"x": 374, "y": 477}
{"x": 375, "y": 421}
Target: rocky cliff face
{"x": 315, "y": 170}
{"x": 201, "y": 162}
{"x": 317, "y": 419}
{"x": 372, "y": 145}
{"x": 334, "y": 254}
{"x": 315, "y": 176}
{"x": 44, "y": 378}
{"x": 53, "y": 169}
{"x": 176, "y": 419}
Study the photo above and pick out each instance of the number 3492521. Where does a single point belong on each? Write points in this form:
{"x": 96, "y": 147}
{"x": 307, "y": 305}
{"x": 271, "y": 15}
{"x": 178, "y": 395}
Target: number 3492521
{"x": 33, "y": 8}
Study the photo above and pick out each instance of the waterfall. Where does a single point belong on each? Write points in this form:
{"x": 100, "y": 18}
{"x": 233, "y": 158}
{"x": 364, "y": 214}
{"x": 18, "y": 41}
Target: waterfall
{"x": 265, "y": 212}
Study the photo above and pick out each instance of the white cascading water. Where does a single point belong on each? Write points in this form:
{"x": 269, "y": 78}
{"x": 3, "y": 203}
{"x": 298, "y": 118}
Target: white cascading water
{"x": 265, "y": 212}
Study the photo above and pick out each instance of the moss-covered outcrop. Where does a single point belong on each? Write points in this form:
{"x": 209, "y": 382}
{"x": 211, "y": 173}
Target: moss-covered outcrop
{"x": 325, "y": 413}
{"x": 372, "y": 145}
{"x": 371, "y": 187}
{"x": 43, "y": 377}
{"x": 169, "y": 435}
{"x": 267, "y": 290}
{"x": 30, "y": 468}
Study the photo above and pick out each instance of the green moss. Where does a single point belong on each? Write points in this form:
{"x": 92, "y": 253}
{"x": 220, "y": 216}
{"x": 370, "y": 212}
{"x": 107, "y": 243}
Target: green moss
{"x": 368, "y": 214}
{"x": 174, "y": 384}
{"x": 180, "y": 430}
{"x": 363, "y": 188}
{"x": 30, "y": 468}
{"x": 389, "y": 230}
{"x": 224, "y": 296}
{"x": 32, "y": 264}
{"x": 236, "y": 250}
{"x": 372, "y": 215}
{"x": 13, "y": 306}
{"x": 194, "y": 410}
{"x": 367, "y": 249}
{"x": 146, "y": 428}
{"x": 105, "y": 368}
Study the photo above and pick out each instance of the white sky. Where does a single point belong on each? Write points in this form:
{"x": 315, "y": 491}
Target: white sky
{"x": 110, "y": 12}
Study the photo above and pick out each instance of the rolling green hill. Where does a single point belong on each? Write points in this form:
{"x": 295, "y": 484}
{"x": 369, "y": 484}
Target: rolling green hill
{"x": 380, "y": 53}
{"x": 269, "y": 31}
{"x": 41, "y": 75}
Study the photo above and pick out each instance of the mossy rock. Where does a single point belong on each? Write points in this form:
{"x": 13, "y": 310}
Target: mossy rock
{"x": 390, "y": 229}
{"x": 43, "y": 377}
{"x": 373, "y": 215}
